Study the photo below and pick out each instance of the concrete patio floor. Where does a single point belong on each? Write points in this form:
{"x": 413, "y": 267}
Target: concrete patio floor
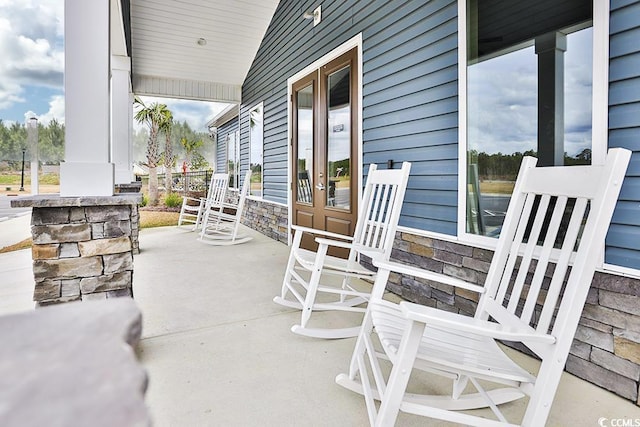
{"x": 219, "y": 352}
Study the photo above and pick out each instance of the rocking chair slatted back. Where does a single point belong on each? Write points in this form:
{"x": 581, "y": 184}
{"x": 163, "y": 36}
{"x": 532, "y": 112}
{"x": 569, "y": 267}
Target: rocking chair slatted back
{"x": 531, "y": 276}
{"x": 375, "y": 230}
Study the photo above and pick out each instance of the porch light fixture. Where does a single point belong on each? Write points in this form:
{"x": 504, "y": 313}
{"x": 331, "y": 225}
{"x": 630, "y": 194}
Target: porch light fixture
{"x": 201, "y": 41}
{"x": 316, "y": 15}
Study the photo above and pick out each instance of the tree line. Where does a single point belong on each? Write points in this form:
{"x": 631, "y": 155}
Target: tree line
{"x": 505, "y": 167}
{"x": 13, "y": 140}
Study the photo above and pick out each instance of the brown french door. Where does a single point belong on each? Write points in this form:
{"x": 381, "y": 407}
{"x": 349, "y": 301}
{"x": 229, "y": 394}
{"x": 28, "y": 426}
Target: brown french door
{"x": 324, "y": 147}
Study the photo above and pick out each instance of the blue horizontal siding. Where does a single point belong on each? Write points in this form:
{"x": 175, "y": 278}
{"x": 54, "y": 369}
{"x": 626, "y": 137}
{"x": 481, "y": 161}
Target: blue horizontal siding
{"x": 622, "y": 257}
{"x": 409, "y": 105}
{"x": 624, "y": 116}
{"x": 221, "y": 144}
{"x": 626, "y": 20}
{"x": 627, "y": 213}
{"x": 623, "y": 238}
{"x": 624, "y": 67}
{"x": 625, "y": 91}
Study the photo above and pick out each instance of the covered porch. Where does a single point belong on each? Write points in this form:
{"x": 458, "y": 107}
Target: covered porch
{"x": 218, "y": 351}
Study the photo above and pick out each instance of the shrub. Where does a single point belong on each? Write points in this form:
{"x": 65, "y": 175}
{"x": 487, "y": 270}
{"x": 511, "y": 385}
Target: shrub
{"x": 173, "y": 200}
{"x": 145, "y": 200}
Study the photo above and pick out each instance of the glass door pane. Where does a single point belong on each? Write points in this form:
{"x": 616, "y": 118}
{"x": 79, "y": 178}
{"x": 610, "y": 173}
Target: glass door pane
{"x": 339, "y": 139}
{"x": 305, "y": 144}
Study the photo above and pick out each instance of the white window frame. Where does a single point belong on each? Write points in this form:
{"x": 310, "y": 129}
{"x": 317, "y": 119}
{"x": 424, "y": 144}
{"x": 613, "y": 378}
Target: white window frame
{"x": 599, "y": 109}
{"x": 233, "y": 138}
{"x": 261, "y": 106}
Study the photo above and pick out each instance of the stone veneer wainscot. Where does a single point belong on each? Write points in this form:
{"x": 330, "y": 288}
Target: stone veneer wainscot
{"x": 82, "y": 246}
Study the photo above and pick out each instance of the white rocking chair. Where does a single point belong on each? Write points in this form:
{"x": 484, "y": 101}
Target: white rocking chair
{"x": 193, "y": 209}
{"x": 219, "y": 227}
{"x": 374, "y": 234}
{"x": 556, "y": 213}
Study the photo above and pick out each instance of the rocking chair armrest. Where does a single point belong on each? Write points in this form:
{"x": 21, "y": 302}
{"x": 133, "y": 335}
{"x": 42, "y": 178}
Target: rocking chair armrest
{"x": 195, "y": 199}
{"x": 428, "y": 275}
{"x": 321, "y": 232}
{"x": 331, "y": 242}
{"x": 444, "y": 319}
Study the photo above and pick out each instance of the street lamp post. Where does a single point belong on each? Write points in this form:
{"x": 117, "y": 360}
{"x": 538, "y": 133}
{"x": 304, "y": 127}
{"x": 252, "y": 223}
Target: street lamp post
{"x": 22, "y": 178}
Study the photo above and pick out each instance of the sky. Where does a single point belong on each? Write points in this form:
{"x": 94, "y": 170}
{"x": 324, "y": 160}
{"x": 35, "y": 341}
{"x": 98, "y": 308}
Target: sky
{"x": 502, "y": 96}
{"x": 32, "y": 67}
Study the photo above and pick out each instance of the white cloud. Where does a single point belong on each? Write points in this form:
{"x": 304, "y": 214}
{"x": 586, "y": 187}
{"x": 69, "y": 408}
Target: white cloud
{"x": 56, "y": 110}
{"x": 31, "y": 42}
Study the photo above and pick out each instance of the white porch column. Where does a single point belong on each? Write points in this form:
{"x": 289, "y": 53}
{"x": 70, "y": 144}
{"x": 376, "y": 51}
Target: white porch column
{"x": 87, "y": 169}
{"x": 121, "y": 119}
{"x": 550, "y": 49}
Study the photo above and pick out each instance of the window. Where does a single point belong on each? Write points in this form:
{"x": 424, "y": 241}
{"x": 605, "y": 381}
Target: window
{"x": 529, "y": 86}
{"x": 233, "y": 159}
{"x": 256, "y": 142}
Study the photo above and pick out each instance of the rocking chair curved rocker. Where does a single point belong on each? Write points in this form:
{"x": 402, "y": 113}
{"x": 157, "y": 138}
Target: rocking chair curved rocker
{"x": 373, "y": 237}
{"x": 193, "y": 209}
{"x": 220, "y": 227}
{"x": 556, "y": 221}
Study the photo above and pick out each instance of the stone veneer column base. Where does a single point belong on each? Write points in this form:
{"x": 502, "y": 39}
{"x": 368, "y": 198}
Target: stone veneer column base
{"x": 82, "y": 246}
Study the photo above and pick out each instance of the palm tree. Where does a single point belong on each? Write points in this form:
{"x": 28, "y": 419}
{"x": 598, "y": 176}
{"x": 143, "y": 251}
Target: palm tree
{"x": 169, "y": 157}
{"x": 154, "y": 116}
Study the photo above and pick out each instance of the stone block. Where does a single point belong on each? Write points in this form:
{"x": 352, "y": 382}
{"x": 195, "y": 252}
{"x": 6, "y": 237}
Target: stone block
{"x": 465, "y": 306}
{"x": 456, "y": 248}
{"x": 627, "y": 349}
{"x": 70, "y": 288}
{"x": 621, "y": 302}
{"x": 43, "y": 234}
{"x": 465, "y": 274}
{"x": 107, "y": 213}
{"x": 68, "y": 267}
{"x": 97, "y": 230}
{"x": 97, "y": 296}
{"x": 602, "y": 377}
{"x": 448, "y": 257}
{"x": 595, "y": 338}
{"x": 105, "y": 246}
{"x": 446, "y": 307}
{"x": 77, "y": 215}
{"x": 466, "y": 294}
{"x": 106, "y": 282}
{"x": 46, "y": 216}
{"x": 117, "y": 262}
{"x": 47, "y": 289}
{"x": 580, "y": 349}
{"x": 592, "y": 296}
{"x": 612, "y": 317}
{"x": 56, "y": 301}
{"x": 47, "y": 251}
{"x": 482, "y": 254}
{"x": 619, "y": 284}
{"x": 625, "y": 333}
{"x": 443, "y": 297}
{"x": 117, "y": 228}
{"x": 616, "y": 364}
{"x": 69, "y": 250}
{"x": 414, "y": 238}
{"x": 476, "y": 264}
{"x": 607, "y": 329}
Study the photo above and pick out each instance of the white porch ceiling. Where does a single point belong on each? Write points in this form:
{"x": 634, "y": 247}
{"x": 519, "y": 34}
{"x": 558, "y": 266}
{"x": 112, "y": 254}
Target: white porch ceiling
{"x": 168, "y": 61}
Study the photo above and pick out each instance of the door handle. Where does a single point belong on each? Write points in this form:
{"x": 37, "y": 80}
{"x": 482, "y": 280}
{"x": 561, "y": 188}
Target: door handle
{"x": 320, "y": 186}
